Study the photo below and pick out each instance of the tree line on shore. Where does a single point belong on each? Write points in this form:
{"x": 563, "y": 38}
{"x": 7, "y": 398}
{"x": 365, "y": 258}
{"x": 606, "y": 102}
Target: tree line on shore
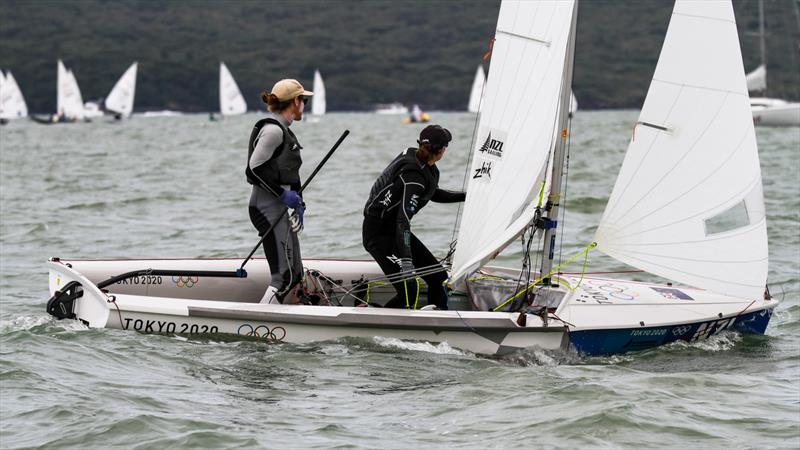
{"x": 368, "y": 51}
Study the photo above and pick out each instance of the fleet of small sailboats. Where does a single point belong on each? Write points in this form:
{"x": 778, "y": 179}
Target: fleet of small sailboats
{"x": 12, "y": 103}
{"x": 687, "y": 206}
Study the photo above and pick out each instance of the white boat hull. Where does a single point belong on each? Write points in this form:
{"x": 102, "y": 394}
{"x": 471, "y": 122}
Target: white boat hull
{"x": 600, "y": 316}
{"x": 787, "y": 115}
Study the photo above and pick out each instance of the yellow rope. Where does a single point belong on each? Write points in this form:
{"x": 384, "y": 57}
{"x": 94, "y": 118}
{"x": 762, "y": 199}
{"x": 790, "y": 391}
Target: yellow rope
{"x": 369, "y": 286}
{"x": 539, "y": 280}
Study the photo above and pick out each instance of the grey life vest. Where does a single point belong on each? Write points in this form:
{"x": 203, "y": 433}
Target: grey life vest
{"x": 284, "y": 166}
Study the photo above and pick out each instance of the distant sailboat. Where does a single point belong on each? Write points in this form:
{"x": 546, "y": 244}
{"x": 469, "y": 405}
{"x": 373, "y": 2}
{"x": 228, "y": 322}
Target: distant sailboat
{"x": 69, "y": 102}
{"x": 768, "y": 111}
{"x": 318, "y": 102}
{"x": 231, "y": 101}
{"x": 12, "y": 103}
{"x": 477, "y": 90}
{"x": 120, "y": 100}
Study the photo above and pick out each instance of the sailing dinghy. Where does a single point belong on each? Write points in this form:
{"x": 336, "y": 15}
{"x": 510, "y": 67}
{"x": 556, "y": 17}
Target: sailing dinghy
{"x": 687, "y": 206}
{"x": 120, "y": 100}
{"x": 12, "y": 103}
{"x": 318, "y": 102}
{"x": 231, "y": 101}
{"x": 476, "y": 91}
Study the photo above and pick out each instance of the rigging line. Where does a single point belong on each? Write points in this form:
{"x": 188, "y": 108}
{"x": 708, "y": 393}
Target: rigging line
{"x": 680, "y": 160}
{"x": 563, "y": 200}
{"x": 539, "y": 280}
{"x": 749, "y": 186}
{"x": 523, "y": 37}
{"x": 697, "y": 86}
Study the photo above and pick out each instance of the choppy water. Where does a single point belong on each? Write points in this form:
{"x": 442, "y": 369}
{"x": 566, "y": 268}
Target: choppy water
{"x": 174, "y": 187}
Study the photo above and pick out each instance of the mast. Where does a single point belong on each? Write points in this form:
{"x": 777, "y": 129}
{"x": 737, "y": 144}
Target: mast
{"x": 550, "y": 223}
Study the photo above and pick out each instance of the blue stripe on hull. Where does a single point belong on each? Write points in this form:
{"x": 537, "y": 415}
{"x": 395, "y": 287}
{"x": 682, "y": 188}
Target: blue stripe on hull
{"x": 604, "y": 342}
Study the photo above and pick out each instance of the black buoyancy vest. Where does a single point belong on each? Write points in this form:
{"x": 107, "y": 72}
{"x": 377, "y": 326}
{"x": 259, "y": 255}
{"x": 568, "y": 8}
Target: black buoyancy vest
{"x": 284, "y": 165}
{"x": 404, "y": 162}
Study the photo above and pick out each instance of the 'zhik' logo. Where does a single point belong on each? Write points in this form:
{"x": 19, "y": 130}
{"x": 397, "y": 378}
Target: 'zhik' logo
{"x": 492, "y": 147}
{"x": 484, "y": 169}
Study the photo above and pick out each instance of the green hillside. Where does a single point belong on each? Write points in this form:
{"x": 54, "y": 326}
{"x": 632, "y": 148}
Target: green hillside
{"x": 369, "y": 51}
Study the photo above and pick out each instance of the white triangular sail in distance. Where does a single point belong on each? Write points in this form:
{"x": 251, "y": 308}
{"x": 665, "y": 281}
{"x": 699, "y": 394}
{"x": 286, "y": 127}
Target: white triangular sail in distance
{"x": 120, "y": 99}
{"x": 12, "y": 103}
{"x": 318, "y": 102}
{"x": 757, "y": 79}
{"x": 573, "y": 103}
{"x": 69, "y": 103}
{"x": 477, "y": 90}
{"x": 688, "y": 202}
{"x": 231, "y": 101}
{"x": 516, "y": 129}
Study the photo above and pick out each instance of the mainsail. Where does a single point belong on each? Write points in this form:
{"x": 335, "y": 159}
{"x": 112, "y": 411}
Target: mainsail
{"x": 516, "y": 128}
{"x": 318, "y": 102}
{"x": 69, "y": 102}
{"x": 688, "y": 202}
{"x": 120, "y": 99}
{"x": 477, "y": 89}
{"x": 231, "y": 101}
{"x": 12, "y": 103}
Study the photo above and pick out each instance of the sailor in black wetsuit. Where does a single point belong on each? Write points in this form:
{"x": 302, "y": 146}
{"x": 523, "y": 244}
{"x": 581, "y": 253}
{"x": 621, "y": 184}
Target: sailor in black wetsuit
{"x": 273, "y": 168}
{"x": 405, "y": 187}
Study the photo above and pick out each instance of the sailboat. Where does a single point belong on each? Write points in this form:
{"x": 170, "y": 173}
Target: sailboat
{"x": 319, "y": 103}
{"x": 476, "y": 91}
{"x": 231, "y": 101}
{"x": 12, "y": 103}
{"x": 687, "y": 206}
{"x": 768, "y": 111}
{"x": 69, "y": 102}
{"x": 120, "y": 100}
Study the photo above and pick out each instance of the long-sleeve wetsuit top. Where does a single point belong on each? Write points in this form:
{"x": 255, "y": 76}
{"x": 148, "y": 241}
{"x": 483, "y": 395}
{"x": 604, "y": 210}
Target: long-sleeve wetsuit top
{"x": 395, "y": 201}
{"x": 270, "y": 138}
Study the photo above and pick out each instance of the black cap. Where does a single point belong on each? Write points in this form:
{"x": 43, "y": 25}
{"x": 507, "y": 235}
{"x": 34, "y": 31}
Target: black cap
{"x": 435, "y": 135}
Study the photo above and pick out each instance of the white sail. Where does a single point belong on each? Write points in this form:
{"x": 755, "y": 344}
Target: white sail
{"x": 12, "y": 102}
{"x": 231, "y": 101}
{"x": 757, "y": 79}
{"x": 120, "y": 99}
{"x": 516, "y": 128}
{"x": 477, "y": 89}
{"x": 318, "y": 101}
{"x": 69, "y": 102}
{"x": 573, "y": 103}
{"x": 688, "y": 202}
{"x": 2, "y": 95}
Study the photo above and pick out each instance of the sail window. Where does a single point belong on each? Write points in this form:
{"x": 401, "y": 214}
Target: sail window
{"x": 730, "y": 219}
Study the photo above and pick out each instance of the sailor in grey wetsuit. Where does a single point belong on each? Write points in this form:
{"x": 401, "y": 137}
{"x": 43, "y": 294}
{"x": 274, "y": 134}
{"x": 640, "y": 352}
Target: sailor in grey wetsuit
{"x": 273, "y": 168}
{"x": 405, "y": 187}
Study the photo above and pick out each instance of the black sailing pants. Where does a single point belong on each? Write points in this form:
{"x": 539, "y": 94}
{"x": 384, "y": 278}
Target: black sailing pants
{"x": 380, "y": 241}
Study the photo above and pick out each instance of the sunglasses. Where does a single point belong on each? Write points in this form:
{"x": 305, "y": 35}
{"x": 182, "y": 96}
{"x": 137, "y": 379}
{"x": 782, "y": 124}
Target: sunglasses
{"x": 305, "y": 100}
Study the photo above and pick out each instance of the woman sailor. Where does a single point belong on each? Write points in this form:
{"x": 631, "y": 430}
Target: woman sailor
{"x": 273, "y": 168}
{"x": 405, "y": 187}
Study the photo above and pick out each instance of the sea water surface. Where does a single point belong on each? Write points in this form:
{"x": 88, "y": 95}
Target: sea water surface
{"x": 174, "y": 186}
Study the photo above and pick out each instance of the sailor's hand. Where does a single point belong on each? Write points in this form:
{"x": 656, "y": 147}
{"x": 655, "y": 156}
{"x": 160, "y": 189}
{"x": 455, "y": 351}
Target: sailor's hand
{"x": 295, "y": 219}
{"x": 291, "y": 199}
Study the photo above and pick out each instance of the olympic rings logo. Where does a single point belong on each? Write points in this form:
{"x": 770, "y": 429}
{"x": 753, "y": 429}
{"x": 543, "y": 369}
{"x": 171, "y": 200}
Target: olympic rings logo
{"x": 184, "y": 281}
{"x": 262, "y": 331}
{"x": 680, "y": 331}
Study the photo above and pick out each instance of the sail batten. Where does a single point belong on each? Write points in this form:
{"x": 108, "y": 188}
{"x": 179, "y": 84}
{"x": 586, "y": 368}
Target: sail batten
{"x": 679, "y": 208}
{"x": 515, "y": 130}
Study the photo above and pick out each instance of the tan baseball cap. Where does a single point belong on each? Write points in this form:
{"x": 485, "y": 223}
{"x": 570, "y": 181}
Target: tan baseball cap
{"x": 288, "y": 89}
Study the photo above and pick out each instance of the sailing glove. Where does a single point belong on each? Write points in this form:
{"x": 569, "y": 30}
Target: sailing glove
{"x": 291, "y": 199}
